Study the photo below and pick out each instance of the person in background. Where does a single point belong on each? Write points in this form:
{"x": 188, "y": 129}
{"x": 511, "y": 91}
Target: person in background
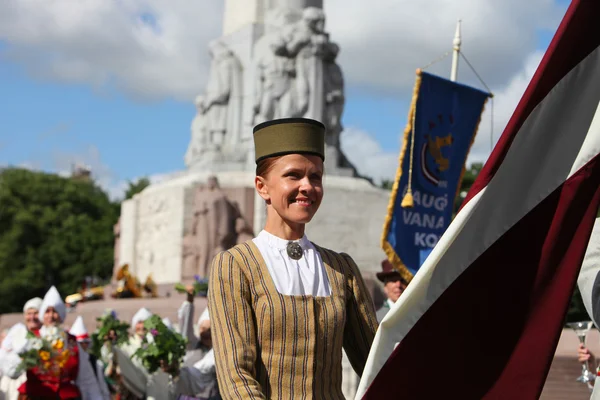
{"x": 9, "y": 360}
{"x": 79, "y": 331}
{"x": 31, "y": 315}
{"x": 77, "y": 379}
{"x": 139, "y": 331}
{"x": 9, "y": 386}
{"x": 393, "y": 286}
{"x": 198, "y": 375}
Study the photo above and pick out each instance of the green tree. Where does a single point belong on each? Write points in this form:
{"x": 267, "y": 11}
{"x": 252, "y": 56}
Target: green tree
{"x": 53, "y": 231}
{"x": 577, "y": 311}
{"x": 136, "y": 187}
{"x": 467, "y": 181}
{"x": 386, "y": 184}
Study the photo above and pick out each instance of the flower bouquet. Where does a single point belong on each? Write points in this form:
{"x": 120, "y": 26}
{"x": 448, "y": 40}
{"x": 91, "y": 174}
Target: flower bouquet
{"x": 200, "y": 287}
{"x": 161, "y": 348}
{"x": 48, "y": 353}
{"x": 110, "y": 329}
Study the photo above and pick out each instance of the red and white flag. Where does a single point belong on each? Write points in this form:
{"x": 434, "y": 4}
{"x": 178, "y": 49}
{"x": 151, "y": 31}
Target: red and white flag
{"x": 482, "y": 317}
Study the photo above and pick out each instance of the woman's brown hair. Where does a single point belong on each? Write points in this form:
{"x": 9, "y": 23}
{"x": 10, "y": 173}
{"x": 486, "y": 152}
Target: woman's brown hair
{"x": 265, "y": 165}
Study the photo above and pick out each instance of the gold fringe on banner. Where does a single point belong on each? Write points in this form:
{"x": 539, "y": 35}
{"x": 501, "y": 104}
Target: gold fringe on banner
{"x": 407, "y": 201}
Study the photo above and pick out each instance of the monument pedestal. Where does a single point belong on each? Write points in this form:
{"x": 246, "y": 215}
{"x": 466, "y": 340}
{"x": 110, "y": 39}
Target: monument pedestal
{"x": 155, "y": 221}
{"x": 274, "y": 60}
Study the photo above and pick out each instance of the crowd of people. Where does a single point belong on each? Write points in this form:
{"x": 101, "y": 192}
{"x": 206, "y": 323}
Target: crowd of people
{"x": 289, "y": 318}
{"x": 116, "y": 373}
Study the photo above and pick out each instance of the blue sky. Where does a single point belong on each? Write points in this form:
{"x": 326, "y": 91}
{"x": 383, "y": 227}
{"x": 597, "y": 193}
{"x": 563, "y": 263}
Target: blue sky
{"x": 47, "y": 121}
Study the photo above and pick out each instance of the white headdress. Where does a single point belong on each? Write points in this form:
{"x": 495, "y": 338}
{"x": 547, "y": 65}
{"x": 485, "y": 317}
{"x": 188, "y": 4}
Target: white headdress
{"x": 34, "y": 303}
{"x": 142, "y": 315}
{"x": 78, "y": 330}
{"x": 204, "y": 316}
{"x": 53, "y": 299}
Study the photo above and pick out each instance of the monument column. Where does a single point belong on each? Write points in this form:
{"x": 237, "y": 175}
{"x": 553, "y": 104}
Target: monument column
{"x": 299, "y": 4}
{"x": 239, "y": 13}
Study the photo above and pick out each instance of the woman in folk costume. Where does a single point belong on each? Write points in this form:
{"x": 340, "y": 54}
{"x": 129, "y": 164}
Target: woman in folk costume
{"x": 282, "y": 308}
{"x": 73, "y": 377}
{"x": 9, "y": 359}
{"x": 80, "y": 333}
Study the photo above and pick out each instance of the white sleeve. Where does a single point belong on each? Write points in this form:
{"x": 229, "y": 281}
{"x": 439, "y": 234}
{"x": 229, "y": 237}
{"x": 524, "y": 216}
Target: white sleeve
{"x": 86, "y": 378}
{"x": 9, "y": 364}
{"x": 186, "y": 323}
{"x": 101, "y": 381}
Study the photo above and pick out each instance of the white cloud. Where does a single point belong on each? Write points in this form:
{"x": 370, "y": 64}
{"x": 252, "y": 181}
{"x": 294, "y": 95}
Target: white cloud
{"x": 148, "y": 48}
{"x": 371, "y": 160}
{"x": 384, "y": 42}
{"x": 367, "y": 155}
{"x": 158, "y": 48}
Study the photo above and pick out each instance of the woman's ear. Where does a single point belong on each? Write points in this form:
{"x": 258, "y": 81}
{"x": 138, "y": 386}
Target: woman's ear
{"x": 261, "y": 187}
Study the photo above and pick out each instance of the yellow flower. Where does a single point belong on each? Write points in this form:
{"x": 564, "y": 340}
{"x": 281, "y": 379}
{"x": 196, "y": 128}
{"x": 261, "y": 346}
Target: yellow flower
{"x": 44, "y": 355}
{"x": 58, "y": 344}
{"x": 47, "y": 365}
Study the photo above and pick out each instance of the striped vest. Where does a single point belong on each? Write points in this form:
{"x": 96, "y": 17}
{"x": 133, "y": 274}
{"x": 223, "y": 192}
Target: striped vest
{"x": 273, "y": 346}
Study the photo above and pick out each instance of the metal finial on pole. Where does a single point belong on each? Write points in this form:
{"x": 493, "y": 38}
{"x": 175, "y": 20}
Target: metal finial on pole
{"x": 456, "y": 47}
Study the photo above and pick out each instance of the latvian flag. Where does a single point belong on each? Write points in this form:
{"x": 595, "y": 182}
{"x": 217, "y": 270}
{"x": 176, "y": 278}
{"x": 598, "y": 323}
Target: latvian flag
{"x": 482, "y": 317}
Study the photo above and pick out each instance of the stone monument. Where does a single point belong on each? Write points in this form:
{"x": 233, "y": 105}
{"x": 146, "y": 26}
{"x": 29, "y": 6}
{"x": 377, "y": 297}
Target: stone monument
{"x": 275, "y": 59}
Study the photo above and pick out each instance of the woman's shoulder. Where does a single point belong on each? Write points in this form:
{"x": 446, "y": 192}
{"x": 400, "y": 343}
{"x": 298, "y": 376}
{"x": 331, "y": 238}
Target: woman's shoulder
{"x": 335, "y": 256}
{"x": 240, "y": 255}
{"x": 243, "y": 249}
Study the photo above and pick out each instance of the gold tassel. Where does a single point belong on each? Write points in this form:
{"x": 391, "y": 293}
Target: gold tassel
{"x": 408, "y": 198}
{"x": 408, "y": 201}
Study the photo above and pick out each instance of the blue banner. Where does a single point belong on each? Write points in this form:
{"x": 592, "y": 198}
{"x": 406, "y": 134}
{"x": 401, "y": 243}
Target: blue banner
{"x": 446, "y": 116}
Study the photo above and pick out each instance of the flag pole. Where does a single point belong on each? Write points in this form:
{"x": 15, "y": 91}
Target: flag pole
{"x": 455, "y": 54}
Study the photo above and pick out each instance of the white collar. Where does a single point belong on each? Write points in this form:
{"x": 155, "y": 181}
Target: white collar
{"x": 281, "y": 244}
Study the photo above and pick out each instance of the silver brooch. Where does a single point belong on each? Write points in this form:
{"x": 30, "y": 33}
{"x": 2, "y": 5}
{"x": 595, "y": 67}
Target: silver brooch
{"x": 294, "y": 250}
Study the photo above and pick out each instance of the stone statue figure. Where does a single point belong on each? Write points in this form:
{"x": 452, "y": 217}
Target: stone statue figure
{"x": 117, "y": 245}
{"x": 333, "y": 87}
{"x": 274, "y": 85}
{"x": 223, "y": 91}
{"x": 213, "y": 229}
{"x": 243, "y": 230}
{"x": 190, "y": 252}
{"x": 199, "y": 141}
{"x": 216, "y": 128}
{"x": 290, "y": 71}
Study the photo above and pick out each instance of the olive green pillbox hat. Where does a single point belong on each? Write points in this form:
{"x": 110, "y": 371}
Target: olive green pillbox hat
{"x": 289, "y": 136}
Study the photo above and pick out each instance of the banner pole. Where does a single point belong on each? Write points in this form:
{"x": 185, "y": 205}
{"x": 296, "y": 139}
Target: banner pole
{"x": 456, "y": 52}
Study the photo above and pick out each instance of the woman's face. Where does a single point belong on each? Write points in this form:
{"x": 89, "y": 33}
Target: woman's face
{"x": 51, "y": 317}
{"x": 31, "y": 319}
{"x": 140, "y": 329}
{"x": 293, "y": 187}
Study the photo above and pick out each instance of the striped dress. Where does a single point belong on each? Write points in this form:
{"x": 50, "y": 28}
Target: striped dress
{"x": 273, "y": 346}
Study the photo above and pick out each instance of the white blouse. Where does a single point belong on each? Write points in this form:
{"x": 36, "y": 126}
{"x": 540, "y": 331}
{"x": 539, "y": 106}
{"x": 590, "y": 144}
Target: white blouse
{"x": 306, "y": 276}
